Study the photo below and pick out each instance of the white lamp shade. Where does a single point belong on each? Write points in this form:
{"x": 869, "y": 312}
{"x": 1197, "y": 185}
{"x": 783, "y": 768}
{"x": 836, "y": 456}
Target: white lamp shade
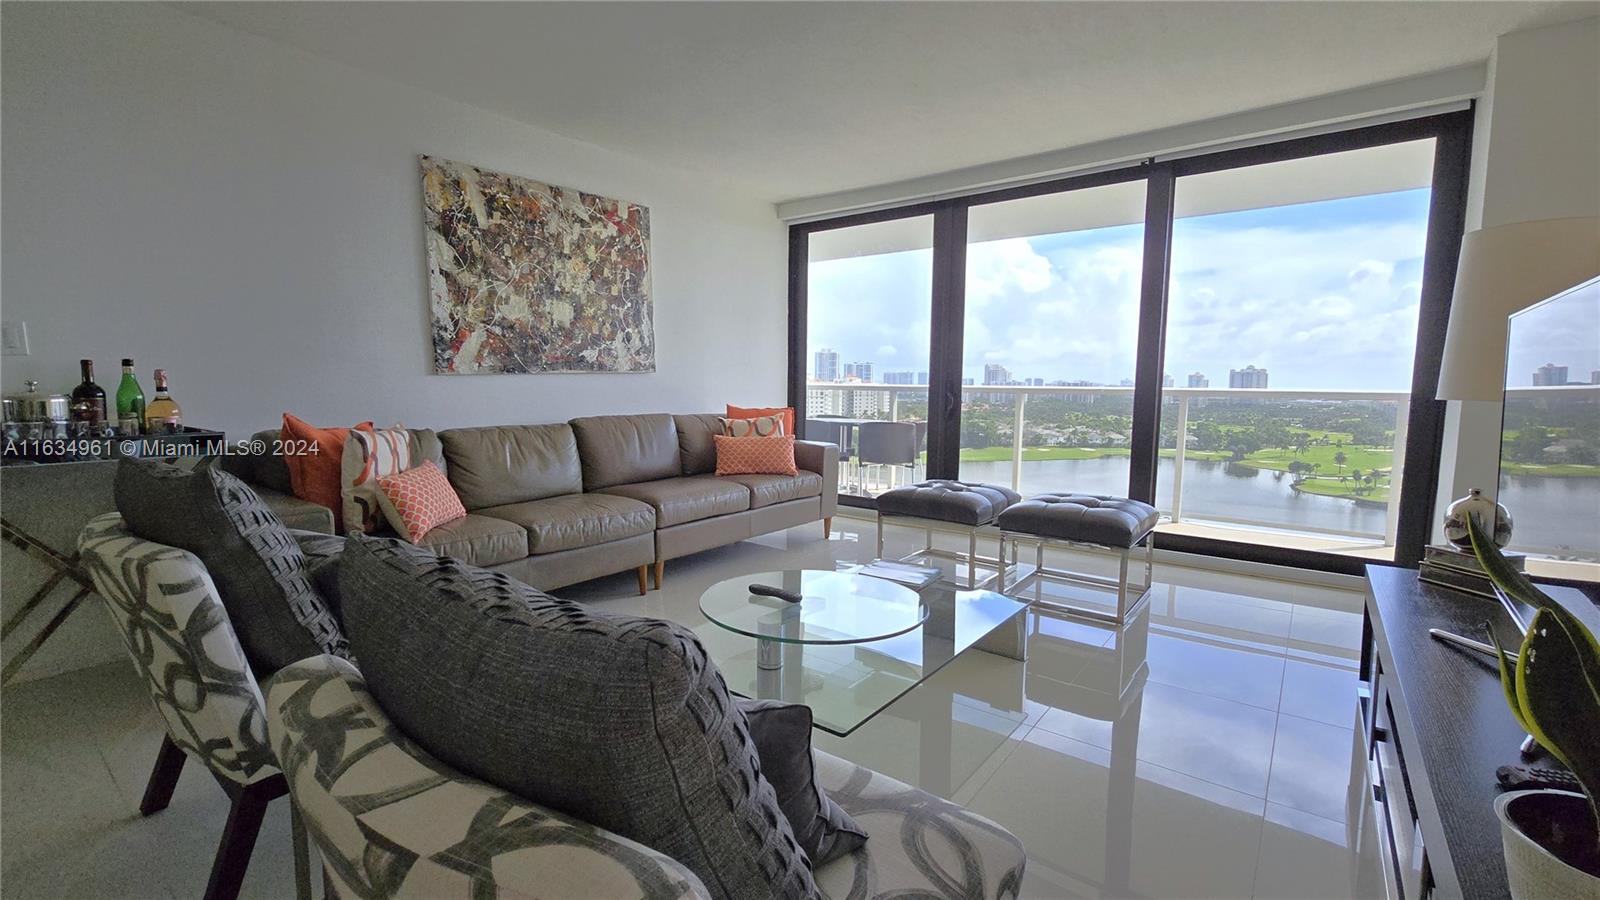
{"x": 1506, "y": 269}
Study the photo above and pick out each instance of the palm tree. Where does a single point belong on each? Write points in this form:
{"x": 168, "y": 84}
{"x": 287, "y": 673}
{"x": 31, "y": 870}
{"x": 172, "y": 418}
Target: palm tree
{"x": 1339, "y": 459}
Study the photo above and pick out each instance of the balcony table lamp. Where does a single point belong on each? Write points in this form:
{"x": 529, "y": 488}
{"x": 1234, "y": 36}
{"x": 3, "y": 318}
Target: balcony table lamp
{"x": 1505, "y": 269}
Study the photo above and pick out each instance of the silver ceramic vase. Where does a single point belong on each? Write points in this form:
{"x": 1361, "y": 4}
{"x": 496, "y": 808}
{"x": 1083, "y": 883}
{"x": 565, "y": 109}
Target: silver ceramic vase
{"x": 1492, "y": 517}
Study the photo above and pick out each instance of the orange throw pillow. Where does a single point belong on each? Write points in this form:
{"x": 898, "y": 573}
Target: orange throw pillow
{"x": 787, "y": 412}
{"x": 314, "y": 457}
{"x": 755, "y": 455}
{"x": 419, "y": 500}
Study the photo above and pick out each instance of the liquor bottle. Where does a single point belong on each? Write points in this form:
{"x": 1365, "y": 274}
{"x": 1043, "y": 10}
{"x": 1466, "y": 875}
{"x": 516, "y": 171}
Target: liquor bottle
{"x": 162, "y": 415}
{"x": 130, "y": 402}
{"x": 87, "y": 409}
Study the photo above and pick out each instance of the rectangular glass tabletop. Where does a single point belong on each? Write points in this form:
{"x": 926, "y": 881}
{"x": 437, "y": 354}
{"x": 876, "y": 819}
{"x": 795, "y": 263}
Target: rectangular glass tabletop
{"x": 847, "y": 684}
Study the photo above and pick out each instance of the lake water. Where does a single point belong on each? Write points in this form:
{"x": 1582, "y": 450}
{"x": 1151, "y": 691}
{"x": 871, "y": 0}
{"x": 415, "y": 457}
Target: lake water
{"x": 1547, "y": 513}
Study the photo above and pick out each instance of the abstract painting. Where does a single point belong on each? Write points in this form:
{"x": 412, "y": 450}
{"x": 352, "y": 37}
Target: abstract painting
{"x": 529, "y": 277}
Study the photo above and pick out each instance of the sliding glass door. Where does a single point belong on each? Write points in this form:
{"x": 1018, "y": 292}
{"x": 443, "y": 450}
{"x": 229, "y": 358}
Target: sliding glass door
{"x": 1248, "y": 339}
{"x": 867, "y": 331}
{"x": 1291, "y": 335}
{"x": 1050, "y": 336}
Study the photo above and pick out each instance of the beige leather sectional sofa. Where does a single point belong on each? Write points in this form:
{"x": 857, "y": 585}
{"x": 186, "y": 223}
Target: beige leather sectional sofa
{"x": 552, "y": 505}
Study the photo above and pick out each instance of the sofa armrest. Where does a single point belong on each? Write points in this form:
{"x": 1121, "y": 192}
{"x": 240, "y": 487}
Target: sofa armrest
{"x": 822, "y": 458}
{"x": 372, "y": 798}
{"x": 296, "y": 513}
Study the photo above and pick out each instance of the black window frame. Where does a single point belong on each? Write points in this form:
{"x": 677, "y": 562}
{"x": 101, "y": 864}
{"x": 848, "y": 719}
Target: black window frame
{"x": 1452, "y": 133}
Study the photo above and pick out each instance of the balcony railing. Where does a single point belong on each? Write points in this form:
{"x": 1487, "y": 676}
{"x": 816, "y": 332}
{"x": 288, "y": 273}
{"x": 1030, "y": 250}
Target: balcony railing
{"x": 890, "y": 402}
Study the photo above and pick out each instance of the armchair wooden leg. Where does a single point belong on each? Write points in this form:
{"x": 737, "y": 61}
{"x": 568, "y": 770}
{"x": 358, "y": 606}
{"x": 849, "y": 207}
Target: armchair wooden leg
{"x": 644, "y": 580}
{"x": 827, "y": 527}
{"x": 238, "y": 840}
{"x": 163, "y": 778}
{"x": 661, "y": 569}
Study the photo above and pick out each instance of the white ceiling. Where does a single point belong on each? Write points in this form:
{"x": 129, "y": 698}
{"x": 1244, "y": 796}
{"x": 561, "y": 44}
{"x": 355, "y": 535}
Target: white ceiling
{"x": 798, "y": 99}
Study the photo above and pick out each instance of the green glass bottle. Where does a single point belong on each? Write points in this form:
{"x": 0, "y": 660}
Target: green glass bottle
{"x": 130, "y": 402}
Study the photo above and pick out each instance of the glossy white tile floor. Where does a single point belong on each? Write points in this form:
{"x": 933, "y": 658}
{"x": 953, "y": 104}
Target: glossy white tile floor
{"x": 1203, "y": 751}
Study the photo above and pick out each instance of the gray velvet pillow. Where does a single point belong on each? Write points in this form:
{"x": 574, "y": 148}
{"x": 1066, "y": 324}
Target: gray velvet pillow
{"x": 622, "y": 722}
{"x": 256, "y": 564}
{"x": 782, "y": 732}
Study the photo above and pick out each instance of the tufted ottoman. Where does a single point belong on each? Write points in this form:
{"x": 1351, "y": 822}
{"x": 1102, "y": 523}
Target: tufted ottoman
{"x": 961, "y": 507}
{"x": 1084, "y": 519}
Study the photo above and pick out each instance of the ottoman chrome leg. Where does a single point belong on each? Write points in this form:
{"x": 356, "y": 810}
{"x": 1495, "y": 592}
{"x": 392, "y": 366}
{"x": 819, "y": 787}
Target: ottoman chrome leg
{"x": 880, "y": 536}
{"x": 972, "y": 560}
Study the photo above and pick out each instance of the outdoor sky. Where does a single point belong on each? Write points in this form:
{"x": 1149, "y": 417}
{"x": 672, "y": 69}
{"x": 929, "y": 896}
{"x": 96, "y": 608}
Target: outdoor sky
{"x": 1322, "y": 295}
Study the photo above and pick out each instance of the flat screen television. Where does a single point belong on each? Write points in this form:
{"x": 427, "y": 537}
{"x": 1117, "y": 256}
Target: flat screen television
{"x": 1550, "y": 430}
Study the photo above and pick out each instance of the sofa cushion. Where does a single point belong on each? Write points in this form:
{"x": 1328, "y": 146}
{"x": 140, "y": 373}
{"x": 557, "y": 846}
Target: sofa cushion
{"x": 256, "y": 564}
{"x": 479, "y": 540}
{"x": 699, "y": 454}
{"x": 577, "y": 520}
{"x": 262, "y": 464}
{"x": 687, "y": 498}
{"x": 765, "y": 490}
{"x": 511, "y": 463}
{"x": 619, "y": 721}
{"x": 627, "y": 449}
{"x": 782, "y": 732}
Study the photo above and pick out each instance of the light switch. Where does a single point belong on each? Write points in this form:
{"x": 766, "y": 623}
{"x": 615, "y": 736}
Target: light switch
{"x": 14, "y": 338}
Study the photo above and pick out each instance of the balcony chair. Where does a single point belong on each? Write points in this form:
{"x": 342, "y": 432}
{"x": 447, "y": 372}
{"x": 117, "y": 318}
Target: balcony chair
{"x": 892, "y": 444}
{"x": 185, "y": 650}
{"x": 840, "y": 434}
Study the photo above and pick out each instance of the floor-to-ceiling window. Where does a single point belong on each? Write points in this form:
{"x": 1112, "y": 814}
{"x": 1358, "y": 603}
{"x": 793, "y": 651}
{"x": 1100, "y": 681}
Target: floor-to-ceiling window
{"x": 1246, "y": 338}
{"x": 867, "y": 328}
{"x": 1291, "y": 336}
{"x": 1050, "y": 337}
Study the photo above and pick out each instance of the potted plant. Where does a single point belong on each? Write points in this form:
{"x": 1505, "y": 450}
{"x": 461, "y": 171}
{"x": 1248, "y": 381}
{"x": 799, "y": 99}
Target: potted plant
{"x": 1551, "y": 838}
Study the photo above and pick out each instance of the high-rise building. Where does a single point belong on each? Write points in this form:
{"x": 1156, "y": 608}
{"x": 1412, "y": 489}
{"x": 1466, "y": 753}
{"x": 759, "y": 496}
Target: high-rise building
{"x": 1199, "y": 380}
{"x": 1033, "y": 382}
{"x": 1594, "y": 377}
{"x": 1166, "y": 381}
{"x": 1549, "y": 375}
{"x": 860, "y": 371}
{"x": 996, "y": 374}
{"x": 899, "y": 378}
{"x": 826, "y": 367}
{"x": 1247, "y": 377}
{"x": 922, "y": 378}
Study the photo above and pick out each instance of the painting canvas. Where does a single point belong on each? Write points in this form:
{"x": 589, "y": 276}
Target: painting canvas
{"x": 529, "y": 277}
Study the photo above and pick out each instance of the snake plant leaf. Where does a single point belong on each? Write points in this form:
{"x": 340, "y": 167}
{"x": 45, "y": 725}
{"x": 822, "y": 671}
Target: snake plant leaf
{"x": 1508, "y": 680}
{"x": 1519, "y": 587}
{"x": 1558, "y": 690}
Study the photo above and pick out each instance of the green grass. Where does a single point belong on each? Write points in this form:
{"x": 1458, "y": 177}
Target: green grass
{"x": 1364, "y": 458}
{"x": 1558, "y": 470}
{"x": 1332, "y": 487}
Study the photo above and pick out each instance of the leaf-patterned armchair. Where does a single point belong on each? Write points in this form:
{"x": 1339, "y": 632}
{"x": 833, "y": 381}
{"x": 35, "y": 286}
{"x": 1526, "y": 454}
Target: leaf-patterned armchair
{"x": 184, "y": 647}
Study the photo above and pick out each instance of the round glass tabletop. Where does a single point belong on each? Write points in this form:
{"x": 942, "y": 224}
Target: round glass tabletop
{"x": 835, "y": 607}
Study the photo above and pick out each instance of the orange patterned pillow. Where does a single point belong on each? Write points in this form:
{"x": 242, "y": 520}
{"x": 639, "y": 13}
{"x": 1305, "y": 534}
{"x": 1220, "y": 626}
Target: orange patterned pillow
{"x": 755, "y": 455}
{"x": 418, "y": 500}
{"x": 761, "y": 426}
{"x": 787, "y": 412}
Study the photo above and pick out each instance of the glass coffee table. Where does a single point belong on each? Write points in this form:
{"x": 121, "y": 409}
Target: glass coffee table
{"x": 853, "y": 644}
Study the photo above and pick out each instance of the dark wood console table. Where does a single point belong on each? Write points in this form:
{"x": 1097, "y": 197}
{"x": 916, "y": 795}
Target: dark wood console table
{"x": 1434, "y": 727}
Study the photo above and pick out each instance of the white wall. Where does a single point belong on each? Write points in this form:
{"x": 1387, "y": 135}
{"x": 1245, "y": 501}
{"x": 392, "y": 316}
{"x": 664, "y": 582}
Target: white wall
{"x": 1535, "y": 155}
{"x": 249, "y": 217}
